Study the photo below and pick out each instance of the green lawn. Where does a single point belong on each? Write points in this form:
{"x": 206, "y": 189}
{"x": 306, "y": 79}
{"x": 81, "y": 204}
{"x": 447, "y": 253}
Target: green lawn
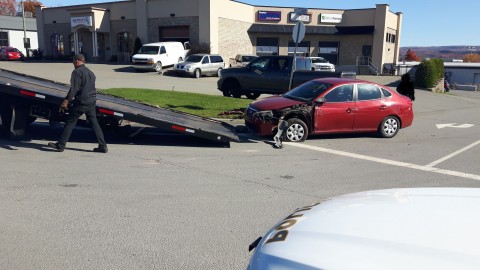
{"x": 198, "y": 104}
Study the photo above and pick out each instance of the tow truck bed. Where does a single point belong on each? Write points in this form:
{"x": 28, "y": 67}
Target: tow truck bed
{"x": 42, "y": 97}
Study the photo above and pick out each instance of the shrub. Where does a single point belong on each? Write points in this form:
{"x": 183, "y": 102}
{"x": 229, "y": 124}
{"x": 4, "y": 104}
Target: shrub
{"x": 199, "y": 48}
{"x": 429, "y": 72}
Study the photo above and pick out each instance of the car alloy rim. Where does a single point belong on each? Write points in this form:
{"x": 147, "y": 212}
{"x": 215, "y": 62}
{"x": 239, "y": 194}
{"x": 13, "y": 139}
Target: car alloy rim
{"x": 295, "y": 132}
{"x": 390, "y": 126}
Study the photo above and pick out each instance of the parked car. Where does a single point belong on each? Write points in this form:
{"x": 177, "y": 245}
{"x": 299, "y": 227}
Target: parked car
{"x": 155, "y": 56}
{"x": 268, "y": 75}
{"x": 242, "y": 60}
{"x": 332, "y": 105}
{"x": 395, "y": 229}
{"x": 10, "y": 53}
{"x": 197, "y": 65}
{"x": 320, "y": 63}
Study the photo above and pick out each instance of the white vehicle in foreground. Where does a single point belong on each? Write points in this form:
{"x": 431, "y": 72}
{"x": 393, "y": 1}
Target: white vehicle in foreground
{"x": 321, "y": 64}
{"x": 396, "y": 229}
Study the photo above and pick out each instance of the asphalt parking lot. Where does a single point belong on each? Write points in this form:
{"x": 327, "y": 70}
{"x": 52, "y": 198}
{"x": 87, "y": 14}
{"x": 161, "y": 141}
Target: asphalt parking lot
{"x": 164, "y": 201}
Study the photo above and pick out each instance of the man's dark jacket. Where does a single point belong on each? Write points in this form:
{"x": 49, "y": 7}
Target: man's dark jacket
{"x": 82, "y": 90}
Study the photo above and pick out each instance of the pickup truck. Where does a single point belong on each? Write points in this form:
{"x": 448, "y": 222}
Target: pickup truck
{"x": 268, "y": 75}
{"x": 241, "y": 60}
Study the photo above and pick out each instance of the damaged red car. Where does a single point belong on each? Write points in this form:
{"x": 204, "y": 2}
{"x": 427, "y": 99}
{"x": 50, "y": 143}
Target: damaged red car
{"x": 332, "y": 105}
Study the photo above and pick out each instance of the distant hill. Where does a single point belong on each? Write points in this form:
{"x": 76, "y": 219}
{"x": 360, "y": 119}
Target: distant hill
{"x": 448, "y": 53}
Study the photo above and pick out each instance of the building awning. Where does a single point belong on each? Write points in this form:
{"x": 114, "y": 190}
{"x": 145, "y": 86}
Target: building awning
{"x": 311, "y": 30}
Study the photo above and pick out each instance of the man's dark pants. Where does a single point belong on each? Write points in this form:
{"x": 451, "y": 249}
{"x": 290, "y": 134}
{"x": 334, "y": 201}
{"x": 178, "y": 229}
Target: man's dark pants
{"x": 74, "y": 113}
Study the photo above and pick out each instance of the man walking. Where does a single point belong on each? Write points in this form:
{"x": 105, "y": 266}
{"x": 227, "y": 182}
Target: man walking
{"x": 82, "y": 97}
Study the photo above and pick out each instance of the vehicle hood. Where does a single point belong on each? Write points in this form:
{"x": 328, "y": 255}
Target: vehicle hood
{"x": 274, "y": 103}
{"x": 426, "y": 228}
{"x": 143, "y": 56}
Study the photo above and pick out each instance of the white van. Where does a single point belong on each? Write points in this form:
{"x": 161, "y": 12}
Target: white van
{"x": 155, "y": 56}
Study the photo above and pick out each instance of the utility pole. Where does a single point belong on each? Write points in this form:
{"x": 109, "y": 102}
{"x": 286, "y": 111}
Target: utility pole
{"x": 25, "y": 40}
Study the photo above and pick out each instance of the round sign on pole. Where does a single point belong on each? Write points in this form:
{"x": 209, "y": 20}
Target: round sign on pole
{"x": 298, "y": 32}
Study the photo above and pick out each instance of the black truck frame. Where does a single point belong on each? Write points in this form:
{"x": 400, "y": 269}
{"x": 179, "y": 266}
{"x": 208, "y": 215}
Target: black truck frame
{"x": 25, "y": 98}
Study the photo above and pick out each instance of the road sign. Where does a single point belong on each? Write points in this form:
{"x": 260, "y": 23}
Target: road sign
{"x": 298, "y": 32}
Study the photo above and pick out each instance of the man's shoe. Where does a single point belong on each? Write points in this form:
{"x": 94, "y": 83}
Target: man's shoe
{"x": 100, "y": 149}
{"x": 56, "y": 146}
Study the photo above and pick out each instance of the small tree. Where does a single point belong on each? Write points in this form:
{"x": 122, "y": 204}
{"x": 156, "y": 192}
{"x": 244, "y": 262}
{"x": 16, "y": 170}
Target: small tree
{"x": 411, "y": 56}
{"x": 199, "y": 48}
{"x": 29, "y": 5}
{"x": 471, "y": 58}
{"x": 7, "y": 7}
{"x": 137, "y": 45}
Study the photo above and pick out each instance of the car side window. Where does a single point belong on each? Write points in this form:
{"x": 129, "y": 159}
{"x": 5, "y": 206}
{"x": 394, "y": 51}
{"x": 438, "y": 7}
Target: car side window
{"x": 216, "y": 59}
{"x": 368, "y": 92}
{"x": 343, "y": 93}
{"x": 162, "y": 50}
{"x": 205, "y": 60}
{"x": 386, "y": 93}
{"x": 260, "y": 63}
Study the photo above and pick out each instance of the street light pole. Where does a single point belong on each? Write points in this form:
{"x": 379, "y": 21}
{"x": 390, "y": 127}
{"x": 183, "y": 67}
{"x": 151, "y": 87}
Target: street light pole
{"x": 24, "y": 30}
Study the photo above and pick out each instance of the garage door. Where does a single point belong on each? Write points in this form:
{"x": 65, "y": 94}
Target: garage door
{"x": 174, "y": 33}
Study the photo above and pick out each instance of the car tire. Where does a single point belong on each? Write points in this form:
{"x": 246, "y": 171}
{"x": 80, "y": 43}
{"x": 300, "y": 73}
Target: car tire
{"x": 389, "y": 127}
{"x": 158, "y": 66}
{"x": 252, "y": 95}
{"x": 232, "y": 88}
{"x": 218, "y": 72}
{"x": 226, "y": 93}
{"x": 197, "y": 73}
{"x": 297, "y": 130}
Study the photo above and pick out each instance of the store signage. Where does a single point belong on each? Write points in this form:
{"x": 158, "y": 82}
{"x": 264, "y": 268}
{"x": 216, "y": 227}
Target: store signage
{"x": 330, "y": 18}
{"x": 269, "y": 15}
{"x": 294, "y": 17}
{"x": 85, "y": 21}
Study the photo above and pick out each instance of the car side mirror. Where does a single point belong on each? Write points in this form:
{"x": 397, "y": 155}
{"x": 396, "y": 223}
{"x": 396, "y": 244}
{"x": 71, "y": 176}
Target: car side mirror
{"x": 320, "y": 101}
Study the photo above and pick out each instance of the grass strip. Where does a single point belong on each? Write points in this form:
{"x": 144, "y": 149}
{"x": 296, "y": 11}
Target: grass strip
{"x": 198, "y": 104}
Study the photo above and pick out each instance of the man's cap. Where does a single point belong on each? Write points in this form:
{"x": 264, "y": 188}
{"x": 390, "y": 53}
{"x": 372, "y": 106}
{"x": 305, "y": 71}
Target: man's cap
{"x": 79, "y": 57}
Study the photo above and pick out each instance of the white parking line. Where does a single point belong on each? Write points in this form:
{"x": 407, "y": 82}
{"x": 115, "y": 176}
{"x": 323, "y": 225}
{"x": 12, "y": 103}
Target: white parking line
{"x": 453, "y": 154}
{"x": 386, "y": 161}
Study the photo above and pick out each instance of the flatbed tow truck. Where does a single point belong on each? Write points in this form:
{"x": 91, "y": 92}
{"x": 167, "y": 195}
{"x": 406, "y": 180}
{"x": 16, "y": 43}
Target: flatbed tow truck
{"x": 25, "y": 98}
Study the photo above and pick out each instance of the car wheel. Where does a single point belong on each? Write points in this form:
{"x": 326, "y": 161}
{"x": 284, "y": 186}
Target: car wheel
{"x": 252, "y": 95}
{"x": 158, "y": 67}
{"x": 218, "y": 72}
{"x": 232, "y": 88}
{"x": 226, "y": 93}
{"x": 297, "y": 130}
{"x": 197, "y": 73}
{"x": 389, "y": 127}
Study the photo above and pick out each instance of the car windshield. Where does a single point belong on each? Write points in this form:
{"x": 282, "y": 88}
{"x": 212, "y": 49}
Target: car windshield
{"x": 319, "y": 60}
{"x": 194, "y": 58}
{"x": 148, "y": 50}
{"x": 248, "y": 58}
{"x": 308, "y": 91}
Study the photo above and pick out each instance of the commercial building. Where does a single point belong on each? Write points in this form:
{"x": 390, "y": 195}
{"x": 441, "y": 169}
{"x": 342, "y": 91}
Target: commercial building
{"x": 367, "y": 37}
{"x": 12, "y": 32}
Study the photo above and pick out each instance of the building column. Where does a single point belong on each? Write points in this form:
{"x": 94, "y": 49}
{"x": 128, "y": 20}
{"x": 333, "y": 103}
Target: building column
{"x": 94, "y": 44}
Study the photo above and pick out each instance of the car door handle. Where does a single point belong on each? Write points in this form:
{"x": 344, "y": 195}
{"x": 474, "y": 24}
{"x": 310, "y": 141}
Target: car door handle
{"x": 349, "y": 110}
{"x": 383, "y": 107}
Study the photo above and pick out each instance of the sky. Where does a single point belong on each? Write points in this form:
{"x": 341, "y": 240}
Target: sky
{"x": 425, "y": 22}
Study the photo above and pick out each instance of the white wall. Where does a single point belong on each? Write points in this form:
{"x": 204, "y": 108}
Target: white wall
{"x": 15, "y": 39}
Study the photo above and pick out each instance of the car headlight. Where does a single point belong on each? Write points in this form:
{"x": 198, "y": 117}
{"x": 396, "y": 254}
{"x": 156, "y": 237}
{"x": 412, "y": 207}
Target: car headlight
{"x": 187, "y": 67}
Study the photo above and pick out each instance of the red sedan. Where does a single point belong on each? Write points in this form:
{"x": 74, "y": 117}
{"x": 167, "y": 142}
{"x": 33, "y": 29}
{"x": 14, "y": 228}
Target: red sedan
{"x": 332, "y": 105}
{"x": 10, "y": 53}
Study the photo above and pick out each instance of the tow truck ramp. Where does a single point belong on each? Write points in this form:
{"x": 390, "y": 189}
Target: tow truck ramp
{"x": 24, "y": 98}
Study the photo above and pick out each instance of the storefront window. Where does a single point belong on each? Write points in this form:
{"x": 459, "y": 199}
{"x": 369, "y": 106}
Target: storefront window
{"x": 3, "y": 39}
{"x": 303, "y": 48}
{"x": 123, "y": 42}
{"x": 267, "y": 46}
{"x": 329, "y": 51}
{"x": 57, "y": 45}
{"x": 72, "y": 44}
